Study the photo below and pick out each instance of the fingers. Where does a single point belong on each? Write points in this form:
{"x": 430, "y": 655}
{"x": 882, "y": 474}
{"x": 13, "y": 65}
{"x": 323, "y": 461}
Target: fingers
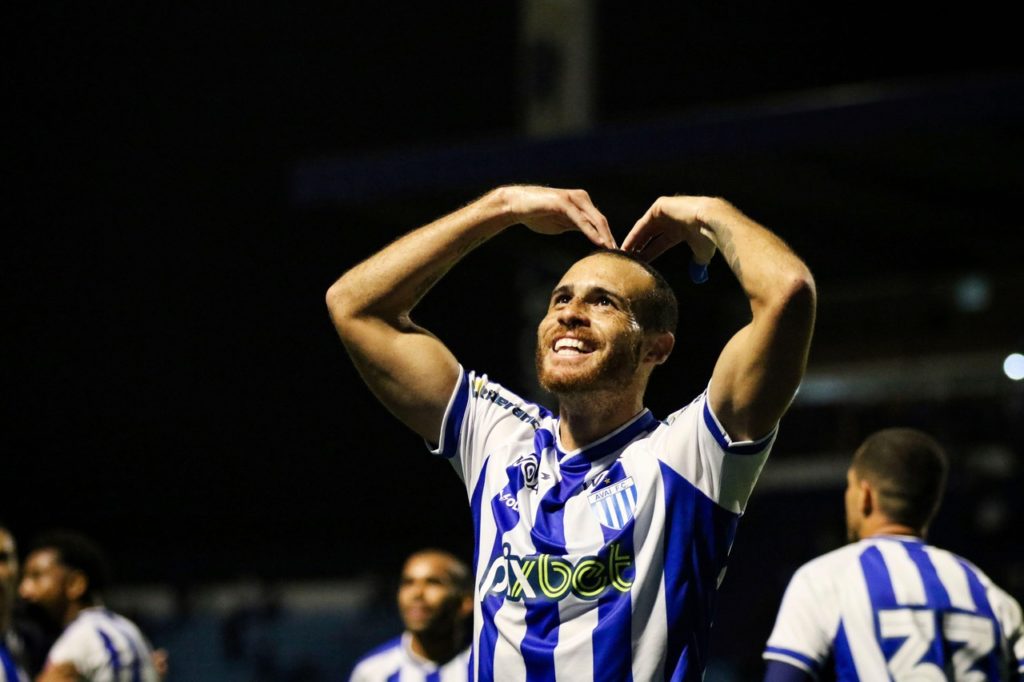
{"x": 590, "y": 220}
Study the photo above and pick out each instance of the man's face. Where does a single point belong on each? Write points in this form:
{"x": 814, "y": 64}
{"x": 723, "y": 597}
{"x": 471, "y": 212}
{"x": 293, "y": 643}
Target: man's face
{"x": 853, "y": 506}
{"x": 428, "y": 598}
{"x": 589, "y": 339}
{"x": 44, "y": 581}
{"x": 8, "y": 572}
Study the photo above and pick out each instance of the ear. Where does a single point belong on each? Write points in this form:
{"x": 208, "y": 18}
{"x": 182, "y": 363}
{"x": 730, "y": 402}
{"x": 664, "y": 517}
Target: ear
{"x": 867, "y": 498}
{"x": 75, "y": 585}
{"x": 660, "y": 345}
{"x": 466, "y": 607}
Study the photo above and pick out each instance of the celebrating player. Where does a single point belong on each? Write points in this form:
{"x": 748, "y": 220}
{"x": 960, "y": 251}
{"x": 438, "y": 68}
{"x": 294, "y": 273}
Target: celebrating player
{"x": 65, "y": 574}
{"x": 435, "y": 599}
{"x": 601, "y": 532}
{"x": 890, "y": 606}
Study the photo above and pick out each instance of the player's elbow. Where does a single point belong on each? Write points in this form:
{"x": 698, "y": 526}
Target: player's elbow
{"x": 342, "y": 304}
{"x": 795, "y": 293}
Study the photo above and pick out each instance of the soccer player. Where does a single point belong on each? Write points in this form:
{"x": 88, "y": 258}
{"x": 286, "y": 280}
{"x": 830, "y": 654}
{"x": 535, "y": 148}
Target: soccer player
{"x": 890, "y": 606}
{"x": 435, "y": 600}
{"x": 11, "y": 646}
{"x": 65, "y": 574}
{"x": 601, "y": 531}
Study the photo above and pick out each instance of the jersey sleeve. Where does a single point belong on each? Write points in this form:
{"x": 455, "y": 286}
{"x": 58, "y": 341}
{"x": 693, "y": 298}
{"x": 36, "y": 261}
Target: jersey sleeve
{"x": 698, "y": 448}
{"x": 803, "y": 632}
{"x": 1011, "y": 621}
{"x": 481, "y": 416}
{"x": 74, "y": 647}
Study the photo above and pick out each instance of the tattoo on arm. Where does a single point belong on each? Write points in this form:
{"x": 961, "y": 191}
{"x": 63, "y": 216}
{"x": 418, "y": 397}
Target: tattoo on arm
{"x": 726, "y": 245}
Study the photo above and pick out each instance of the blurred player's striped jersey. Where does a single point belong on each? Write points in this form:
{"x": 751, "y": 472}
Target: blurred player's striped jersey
{"x": 10, "y": 671}
{"x": 893, "y": 607}
{"x": 395, "y": 661}
{"x": 104, "y": 647}
{"x": 601, "y": 563}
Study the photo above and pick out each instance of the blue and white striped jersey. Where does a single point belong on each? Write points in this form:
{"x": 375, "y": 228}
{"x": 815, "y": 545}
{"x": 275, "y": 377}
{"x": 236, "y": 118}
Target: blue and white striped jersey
{"x": 104, "y": 647}
{"x": 600, "y": 563}
{"x": 395, "y": 661}
{"x": 893, "y": 607}
{"x": 10, "y": 649}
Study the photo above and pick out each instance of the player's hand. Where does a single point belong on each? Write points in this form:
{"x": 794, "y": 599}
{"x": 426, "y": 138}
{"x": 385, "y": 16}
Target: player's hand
{"x": 548, "y": 210}
{"x": 669, "y": 221}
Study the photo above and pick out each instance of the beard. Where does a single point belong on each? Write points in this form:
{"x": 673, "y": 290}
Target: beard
{"x": 615, "y": 370}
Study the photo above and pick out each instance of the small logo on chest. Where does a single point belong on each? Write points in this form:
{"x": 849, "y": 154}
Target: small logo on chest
{"x": 614, "y": 504}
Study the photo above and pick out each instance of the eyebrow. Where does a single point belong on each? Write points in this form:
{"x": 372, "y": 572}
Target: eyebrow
{"x": 596, "y": 290}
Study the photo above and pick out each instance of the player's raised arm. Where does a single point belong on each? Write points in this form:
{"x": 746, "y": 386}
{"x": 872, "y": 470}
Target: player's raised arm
{"x": 761, "y": 367}
{"x": 409, "y": 369}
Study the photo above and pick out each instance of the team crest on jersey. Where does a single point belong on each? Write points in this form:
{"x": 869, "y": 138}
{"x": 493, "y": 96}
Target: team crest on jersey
{"x": 614, "y": 505}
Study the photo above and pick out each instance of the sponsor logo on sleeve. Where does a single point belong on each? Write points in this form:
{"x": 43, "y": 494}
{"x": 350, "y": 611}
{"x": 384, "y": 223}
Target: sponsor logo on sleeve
{"x": 483, "y": 392}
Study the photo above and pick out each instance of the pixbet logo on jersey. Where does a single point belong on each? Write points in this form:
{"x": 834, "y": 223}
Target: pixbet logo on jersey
{"x": 550, "y": 578}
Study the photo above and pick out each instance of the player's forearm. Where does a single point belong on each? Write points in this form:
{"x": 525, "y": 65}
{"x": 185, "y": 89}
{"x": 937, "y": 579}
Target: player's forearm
{"x": 389, "y": 284}
{"x": 773, "y": 277}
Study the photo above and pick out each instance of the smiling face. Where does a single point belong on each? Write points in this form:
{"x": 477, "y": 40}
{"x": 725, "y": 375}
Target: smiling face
{"x": 430, "y": 598}
{"x": 590, "y": 340}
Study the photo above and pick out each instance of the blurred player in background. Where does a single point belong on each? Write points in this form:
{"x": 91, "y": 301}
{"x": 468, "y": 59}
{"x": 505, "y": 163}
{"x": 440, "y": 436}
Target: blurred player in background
{"x": 602, "y": 532}
{"x": 890, "y": 606}
{"x": 11, "y": 646}
{"x": 64, "y": 576}
{"x": 435, "y": 600}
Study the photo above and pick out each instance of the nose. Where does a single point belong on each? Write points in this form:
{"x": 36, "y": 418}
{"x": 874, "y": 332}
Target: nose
{"x": 573, "y": 314}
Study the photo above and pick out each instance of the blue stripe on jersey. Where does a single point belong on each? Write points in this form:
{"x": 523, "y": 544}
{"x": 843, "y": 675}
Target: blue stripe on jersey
{"x": 453, "y": 427}
{"x": 612, "y": 660}
{"x": 434, "y": 676}
{"x": 989, "y": 664}
{"x": 881, "y": 594}
{"x": 505, "y": 519}
{"x": 115, "y": 660}
{"x": 548, "y": 537}
{"x": 934, "y": 591}
{"x": 698, "y": 537}
{"x": 395, "y": 676}
{"x": 842, "y": 656}
{"x": 7, "y": 661}
{"x": 136, "y": 659}
{"x": 806, "y": 660}
{"x": 753, "y": 448}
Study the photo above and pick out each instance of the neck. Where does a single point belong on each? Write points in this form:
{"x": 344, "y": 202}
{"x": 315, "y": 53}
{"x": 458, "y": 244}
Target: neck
{"x": 74, "y": 609}
{"x": 586, "y": 418}
{"x": 437, "y": 648}
{"x": 889, "y": 528}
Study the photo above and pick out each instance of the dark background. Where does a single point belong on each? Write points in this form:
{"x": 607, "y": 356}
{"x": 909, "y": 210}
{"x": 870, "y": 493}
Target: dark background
{"x": 184, "y": 183}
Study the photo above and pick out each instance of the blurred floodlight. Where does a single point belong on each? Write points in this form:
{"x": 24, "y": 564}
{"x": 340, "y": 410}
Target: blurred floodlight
{"x": 973, "y": 293}
{"x": 1014, "y": 366}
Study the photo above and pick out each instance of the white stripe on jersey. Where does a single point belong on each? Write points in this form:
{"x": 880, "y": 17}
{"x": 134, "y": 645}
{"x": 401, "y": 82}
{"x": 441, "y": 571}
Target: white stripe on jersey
{"x": 396, "y": 660}
{"x": 953, "y": 577}
{"x": 836, "y": 603}
{"x": 104, "y": 647}
{"x": 590, "y": 562}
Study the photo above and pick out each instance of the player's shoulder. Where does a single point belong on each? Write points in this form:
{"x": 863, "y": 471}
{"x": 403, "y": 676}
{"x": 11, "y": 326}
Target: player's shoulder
{"x": 831, "y": 565}
{"x": 387, "y": 649}
{"x": 485, "y": 391}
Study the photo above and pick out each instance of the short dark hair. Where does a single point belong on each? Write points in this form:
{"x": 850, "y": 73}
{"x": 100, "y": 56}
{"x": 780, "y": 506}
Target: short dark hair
{"x": 909, "y": 469}
{"x": 658, "y": 310}
{"x": 80, "y": 553}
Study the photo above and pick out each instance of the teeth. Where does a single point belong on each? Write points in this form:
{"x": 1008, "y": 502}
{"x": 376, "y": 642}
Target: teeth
{"x": 570, "y": 345}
